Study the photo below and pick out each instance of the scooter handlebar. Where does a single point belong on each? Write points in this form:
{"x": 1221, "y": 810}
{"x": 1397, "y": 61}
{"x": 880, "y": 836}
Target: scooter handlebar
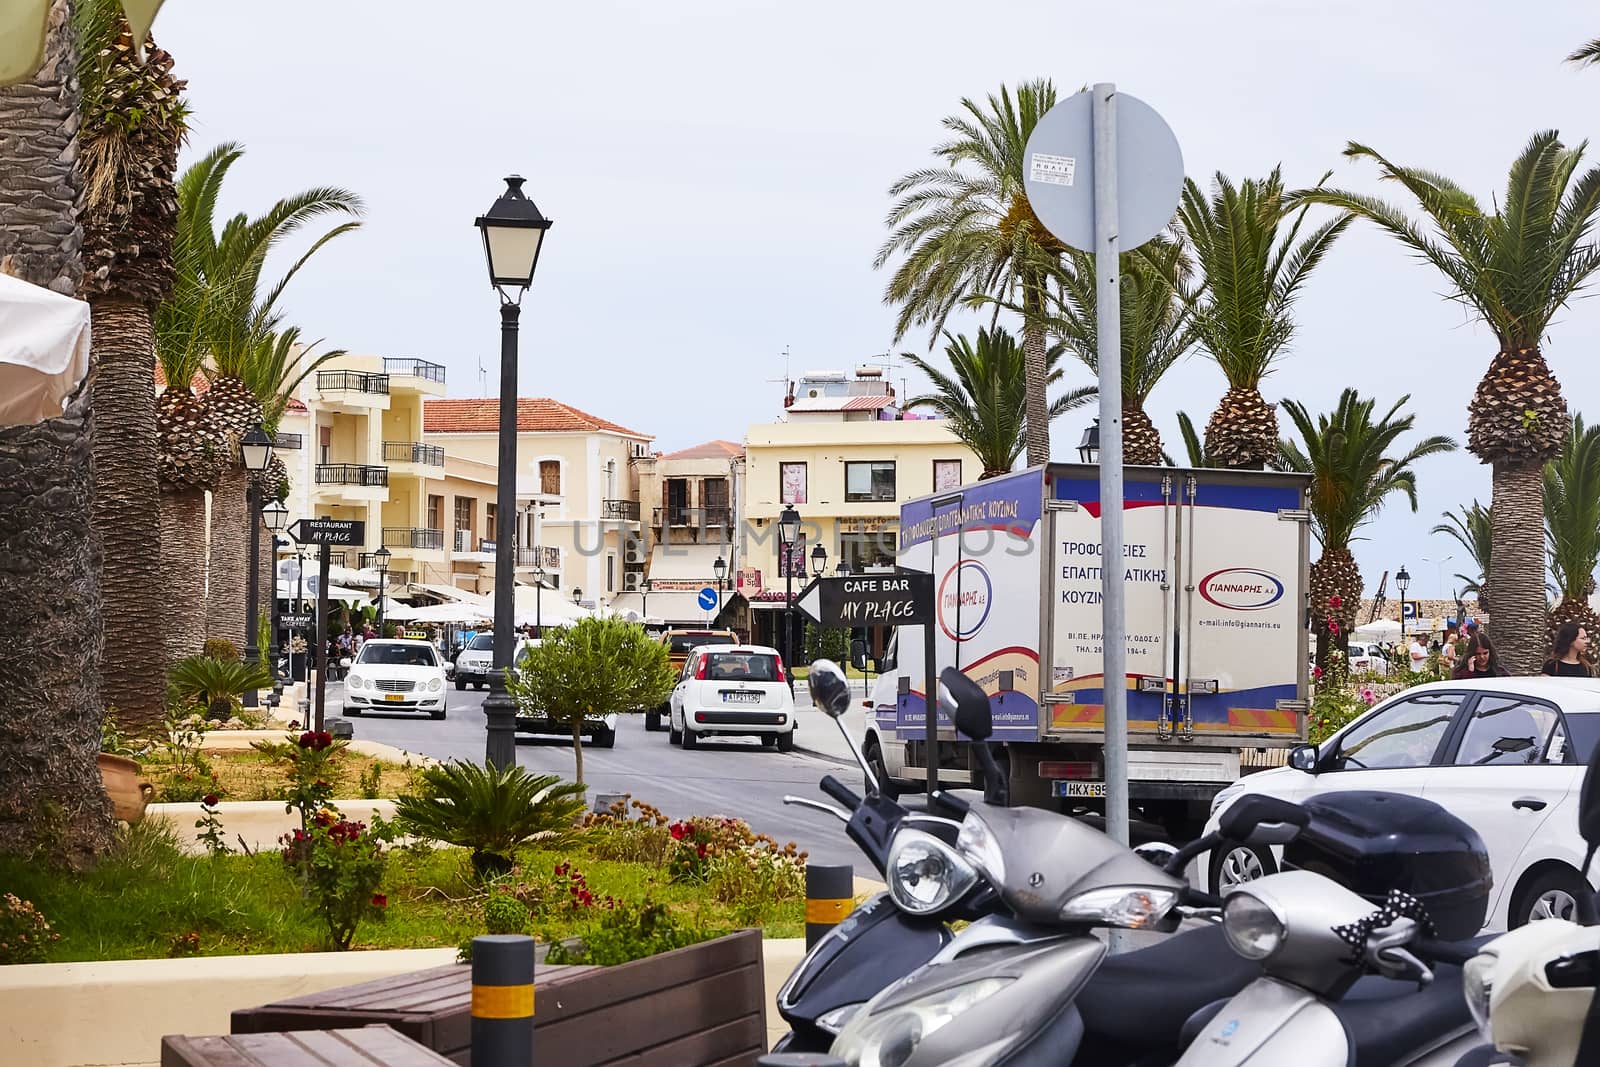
{"x": 840, "y": 792}
{"x": 1443, "y": 951}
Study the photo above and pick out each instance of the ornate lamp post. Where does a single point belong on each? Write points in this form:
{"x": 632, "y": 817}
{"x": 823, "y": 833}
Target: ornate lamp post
{"x": 276, "y": 517}
{"x": 788, "y": 533}
{"x": 255, "y": 452}
{"x": 382, "y": 556}
{"x": 1089, "y": 447}
{"x": 1402, "y": 582}
{"x": 513, "y": 232}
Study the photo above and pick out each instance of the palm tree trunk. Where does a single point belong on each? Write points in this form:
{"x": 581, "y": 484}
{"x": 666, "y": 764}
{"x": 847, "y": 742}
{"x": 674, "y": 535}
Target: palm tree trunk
{"x": 226, "y": 582}
{"x": 1335, "y": 597}
{"x": 1036, "y": 368}
{"x": 183, "y": 570}
{"x": 51, "y": 796}
{"x": 1517, "y": 622}
{"x": 126, "y": 515}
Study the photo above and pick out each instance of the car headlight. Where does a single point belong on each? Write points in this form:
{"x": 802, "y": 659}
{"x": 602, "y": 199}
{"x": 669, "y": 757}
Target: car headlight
{"x": 1477, "y": 985}
{"x": 890, "y": 1039}
{"x": 1131, "y": 906}
{"x": 977, "y": 844}
{"x": 355, "y": 681}
{"x": 924, "y": 873}
{"x": 435, "y": 685}
{"x": 1253, "y": 929}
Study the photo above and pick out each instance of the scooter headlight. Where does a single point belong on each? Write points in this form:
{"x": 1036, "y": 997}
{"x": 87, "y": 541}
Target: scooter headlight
{"x": 1477, "y": 985}
{"x": 977, "y": 844}
{"x": 925, "y": 874}
{"x": 1132, "y": 906}
{"x": 891, "y": 1038}
{"x": 1253, "y": 929}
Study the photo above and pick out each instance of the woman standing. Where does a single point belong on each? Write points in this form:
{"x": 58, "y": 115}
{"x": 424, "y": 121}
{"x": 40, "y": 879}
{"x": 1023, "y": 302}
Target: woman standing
{"x": 1480, "y": 660}
{"x": 1567, "y": 659}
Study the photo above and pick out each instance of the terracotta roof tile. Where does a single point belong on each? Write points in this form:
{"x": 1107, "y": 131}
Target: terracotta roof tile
{"x": 535, "y": 414}
{"x": 709, "y": 450}
{"x": 295, "y": 405}
{"x": 199, "y": 385}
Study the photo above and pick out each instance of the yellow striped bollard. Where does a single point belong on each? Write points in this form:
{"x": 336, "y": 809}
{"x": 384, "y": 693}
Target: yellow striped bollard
{"x": 502, "y": 1000}
{"x": 830, "y": 896}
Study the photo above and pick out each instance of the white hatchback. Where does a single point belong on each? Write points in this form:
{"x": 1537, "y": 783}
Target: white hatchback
{"x": 396, "y": 676}
{"x": 732, "y": 690}
{"x": 1505, "y": 755}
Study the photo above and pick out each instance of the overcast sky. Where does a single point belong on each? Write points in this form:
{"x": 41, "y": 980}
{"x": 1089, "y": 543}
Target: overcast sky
{"x": 718, "y": 176}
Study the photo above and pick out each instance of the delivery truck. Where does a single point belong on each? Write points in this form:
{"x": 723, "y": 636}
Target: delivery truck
{"x": 1214, "y": 567}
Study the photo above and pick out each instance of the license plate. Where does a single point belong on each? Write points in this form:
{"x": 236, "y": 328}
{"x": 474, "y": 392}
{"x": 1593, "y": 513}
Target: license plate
{"x": 394, "y": 696}
{"x": 740, "y": 696}
{"x": 1081, "y": 789}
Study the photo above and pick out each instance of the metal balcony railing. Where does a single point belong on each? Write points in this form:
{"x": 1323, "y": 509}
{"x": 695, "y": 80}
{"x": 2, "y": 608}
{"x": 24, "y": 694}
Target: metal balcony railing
{"x": 547, "y": 556}
{"x": 367, "y": 559}
{"x": 413, "y": 537}
{"x": 353, "y": 381}
{"x": 413, "y": 452}
{"x": 351, "y": 474}
{"x": 620, "y": 509}
{"x": 337, "y": 559}
{"x": 411, "y": 367}
{"x": 696, "y": 517}
{"x": 286, "y": 440}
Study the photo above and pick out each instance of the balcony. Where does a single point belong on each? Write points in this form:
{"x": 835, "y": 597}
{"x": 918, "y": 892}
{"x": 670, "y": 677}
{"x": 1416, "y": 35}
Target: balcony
{"x": 413, "y": 452}
{"x": 411, "y": 367}
{"x": 352, "y": 474}
{"x": 620, "y": 509}
{"x": 291, "y": 441}
{"x": 367, "y": 560}
{"x": 699, "y": 518}
{"x": 546, "y": 556}
{"x": 413, "y": 537}
{"x": 337, "y": 559}
{"x": 352, "y": 381}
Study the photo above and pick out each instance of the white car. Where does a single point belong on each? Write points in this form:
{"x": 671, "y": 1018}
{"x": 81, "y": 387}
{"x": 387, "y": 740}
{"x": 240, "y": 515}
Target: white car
{"x": 476, "y": 661}
{"x": 732, "y": 690}
{"x": 1367, "y": 657}
{"x": 1505, "y": 755}
{"x": 396, "y": 676}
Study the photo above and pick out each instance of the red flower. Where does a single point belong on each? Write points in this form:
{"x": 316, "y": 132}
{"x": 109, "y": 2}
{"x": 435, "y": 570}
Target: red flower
{"x": 307, "y": 739}
{"x": 1335, "y": 601}
{"x": 700, "y": 850}
{"x": 1333, "y": 627}
{"x": 379, "y": 900}
{"x": 676, "y": 830}
{"x": 561, "y": 870}
{"x": 1316, "y": 672}
{"x": 209, "y": 800}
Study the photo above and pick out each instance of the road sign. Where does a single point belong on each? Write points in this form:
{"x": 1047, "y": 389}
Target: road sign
{"x": 295, "y": 622}
{"x": 329, "y": 531}
{"x": 901, "y": 599}
{"x": 313, "y": 584}
{"x": 1408, "y": 610}
{"x": 707, "y": 599}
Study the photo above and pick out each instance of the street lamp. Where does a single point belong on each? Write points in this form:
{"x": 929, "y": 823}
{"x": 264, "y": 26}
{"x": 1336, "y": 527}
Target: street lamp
{"x": 788, "y": 533}
{"x": 577, "y": 595}
{"x": 1402, "y": 582}
{"x": 513, "y": 233}
{"x": 276, "y": 517}
{"x": 255, "y": 452}
{"x": 538, "y": 592}
{"x": 382, "y": 556}
{"x": 719, "y": 568}
{"x": 1089, "y": 447}
{"x": 819, "y": 560}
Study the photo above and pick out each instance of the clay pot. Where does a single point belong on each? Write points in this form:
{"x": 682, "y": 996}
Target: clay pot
{"x": 128, "y": 794}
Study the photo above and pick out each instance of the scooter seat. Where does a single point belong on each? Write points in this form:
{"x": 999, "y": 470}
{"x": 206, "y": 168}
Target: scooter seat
{"x": 1388, "y": 1021}
{"x": 1138, "y": 1002}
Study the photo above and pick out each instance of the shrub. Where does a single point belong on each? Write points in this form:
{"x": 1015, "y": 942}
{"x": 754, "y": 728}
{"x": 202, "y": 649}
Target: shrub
{"x": 372, "y": 780}
{"x": 628, "y": 933}
{"x": 312, "y": 760}
{"x": 216, "y": 685}
{"x": 220, "y": 648}
{"x": 490, "y": 810}
{"x": 642, "y": 839}
{"x": 505, "y": 914}
{"x": 25, "y": 936}
{"x": 343, "y": 864}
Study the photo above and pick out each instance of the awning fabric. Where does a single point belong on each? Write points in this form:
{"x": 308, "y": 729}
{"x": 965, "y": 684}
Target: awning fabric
{"x": 686, "y": 563}
{"x": 673, "y": 608}
{"x": 44, "y": 350}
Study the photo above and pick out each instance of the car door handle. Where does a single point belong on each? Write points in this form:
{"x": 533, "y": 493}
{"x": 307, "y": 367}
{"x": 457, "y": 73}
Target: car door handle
{"x": 1529, "y": 803}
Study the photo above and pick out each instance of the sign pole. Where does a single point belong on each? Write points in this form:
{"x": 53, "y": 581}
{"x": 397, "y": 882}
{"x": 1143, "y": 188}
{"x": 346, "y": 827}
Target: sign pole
{"x": 931, "y": 710}
{"x": 322, "y": 637}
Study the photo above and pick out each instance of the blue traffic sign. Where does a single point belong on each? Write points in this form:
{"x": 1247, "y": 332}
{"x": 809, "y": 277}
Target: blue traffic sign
{"x": 1409, "y": 609}
{"x": 708, "y": 599}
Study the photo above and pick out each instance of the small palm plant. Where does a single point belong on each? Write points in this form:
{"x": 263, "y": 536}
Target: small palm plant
{"x": 490, "y": 810}
{"x": 1473, "y": 529}
{"x": 1572, "y": 523}
{"x": 216, "y": 684}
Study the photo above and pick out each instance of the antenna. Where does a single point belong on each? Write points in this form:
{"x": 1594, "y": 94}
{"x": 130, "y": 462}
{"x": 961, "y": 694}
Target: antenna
{"x": 483, "y": 377}
{"x": 785, "y": 378}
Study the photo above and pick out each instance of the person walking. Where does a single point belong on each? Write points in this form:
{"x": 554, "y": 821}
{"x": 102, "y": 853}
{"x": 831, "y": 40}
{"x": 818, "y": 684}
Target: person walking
{"x": 1480, "y": 660}
{"x": 1447, "y": 651}
{"x": 1567, "y": 659}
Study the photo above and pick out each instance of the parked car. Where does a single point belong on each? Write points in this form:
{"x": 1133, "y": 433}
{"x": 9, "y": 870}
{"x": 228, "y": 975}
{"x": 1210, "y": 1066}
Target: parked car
{"x": 1366, "y": 657}
{"x": 1507, "y": 755}
{"x": 732, "y": 690}
{"x": 680, "y": 642}
{"x": 396, "y": 675}
{"x": 475, "y": 662}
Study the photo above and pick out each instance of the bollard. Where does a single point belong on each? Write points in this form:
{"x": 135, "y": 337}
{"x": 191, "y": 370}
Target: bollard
{"x": 502, "y": 1000}
{"x": 830, "y": 896}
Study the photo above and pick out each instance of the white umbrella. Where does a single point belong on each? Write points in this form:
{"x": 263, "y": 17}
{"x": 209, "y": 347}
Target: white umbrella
{"x": 457, "y": 612}
{"x": 551, "y": 609}
{"x": 44, "y": 350}
{"x": 286, "y": 590}
{"x": 1377, "y": 630}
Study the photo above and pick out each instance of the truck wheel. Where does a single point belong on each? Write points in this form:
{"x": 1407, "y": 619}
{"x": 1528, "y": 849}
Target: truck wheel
{"x": 652, "y": 721}
{"x": 1234, "y": 863}
{"x": 880, "y": 770}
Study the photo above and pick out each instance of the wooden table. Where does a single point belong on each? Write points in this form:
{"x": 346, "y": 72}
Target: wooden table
{"x": 369, "y": 1046}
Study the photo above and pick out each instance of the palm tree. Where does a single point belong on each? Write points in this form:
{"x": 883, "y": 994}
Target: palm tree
{"x": 1589, "y": 53}
{"x": 967, "y": 231}
{"x": 1194, "y": 446}
{"x": 50, "y": 710}
{"x": 1347, "y": 454}
{"x": 1515, "y": 267}
{"x": 1572, "y": 523}
{"x": 1246, "y": 240}
{"x": 1156, "y": 330}
{"x": 133, "y": 122}
{"x": 1473, "y": 529}
{"x": 986, "y": 401}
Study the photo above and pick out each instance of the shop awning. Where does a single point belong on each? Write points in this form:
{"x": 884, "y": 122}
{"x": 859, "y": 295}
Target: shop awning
{"x": 674, "y": 608}
{"x": 687, "y": 563}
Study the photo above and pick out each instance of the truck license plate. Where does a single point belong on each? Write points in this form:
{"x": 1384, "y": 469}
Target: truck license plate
{"x": 740, "y": 696}
{"x": 1081, "y": 789}
{"x": 393, "y": 696}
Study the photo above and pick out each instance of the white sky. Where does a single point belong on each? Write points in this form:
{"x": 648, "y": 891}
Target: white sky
{"x": 717, "y": 173}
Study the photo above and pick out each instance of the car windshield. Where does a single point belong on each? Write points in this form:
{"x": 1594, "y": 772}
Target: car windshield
{"x": 684, "y": 642}
{"x": 742, "y": 667}
{"x": 408, "y": 655}
{"x": 482, "y": 643}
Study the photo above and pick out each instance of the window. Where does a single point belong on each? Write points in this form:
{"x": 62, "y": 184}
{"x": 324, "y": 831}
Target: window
{"x": 858, "y": 551}
{"x": 946, "y": 474}
{"x": 792, "y": 483}
{"x": 1576, "y": 738}
{"x": 869, "y": 481}
{"x": 611, "y": 574}
{"x": 324, "y": 444}
{"x": 550, "y": 476}
{"x": 685, "y": 642}
{"x": 410, "y": 654}
{"x": 1507, "y": 731}
{"x": 741, "y": 667}
{"x": 435, "y": 512}
{"x": 1404, "y": 734}
{"x": 482, "y": 643}
{"x": 489, "y": 523}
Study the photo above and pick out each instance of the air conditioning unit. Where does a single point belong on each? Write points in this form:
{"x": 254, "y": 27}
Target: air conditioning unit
{"x": 632, "y": 581}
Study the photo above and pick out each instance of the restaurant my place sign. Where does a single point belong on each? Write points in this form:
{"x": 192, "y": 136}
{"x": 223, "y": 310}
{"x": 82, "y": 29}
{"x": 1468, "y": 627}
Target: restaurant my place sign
{"x": 901, "y": 599}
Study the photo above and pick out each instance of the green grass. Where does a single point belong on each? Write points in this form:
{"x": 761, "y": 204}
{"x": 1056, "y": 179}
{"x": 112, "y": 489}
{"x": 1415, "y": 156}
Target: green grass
{"x": 146, "y": 895}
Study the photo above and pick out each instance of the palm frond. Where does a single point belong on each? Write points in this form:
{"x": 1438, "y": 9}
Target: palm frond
{"x": 1584, "y": 56}
{"x": 1572, "y": 511}
{"x": 1472, "y": 527}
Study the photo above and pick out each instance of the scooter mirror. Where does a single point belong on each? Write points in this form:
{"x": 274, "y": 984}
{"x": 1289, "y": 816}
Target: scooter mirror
{"x": 967, "y": 705}
{"x": 1256, "y": 815}
{"x": 858, "y": 654}
{"x": 830, "y": 691}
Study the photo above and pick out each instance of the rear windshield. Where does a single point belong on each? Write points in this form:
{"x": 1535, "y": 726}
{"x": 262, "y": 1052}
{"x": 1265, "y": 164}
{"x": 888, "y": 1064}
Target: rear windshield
{"x": 482, "y": 643}
{"x": 742, "y": 667}
{"x": 417, "y": 655}
{"x": 684, "y": 642}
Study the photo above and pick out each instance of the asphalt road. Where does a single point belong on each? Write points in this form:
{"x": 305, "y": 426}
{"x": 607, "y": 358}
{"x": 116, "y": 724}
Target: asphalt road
{"x": 736, "y": 777}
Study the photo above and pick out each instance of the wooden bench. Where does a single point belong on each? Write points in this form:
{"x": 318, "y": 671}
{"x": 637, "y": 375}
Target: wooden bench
{"x": 367, "y": 1047}
{"x": 704, "y": 1004}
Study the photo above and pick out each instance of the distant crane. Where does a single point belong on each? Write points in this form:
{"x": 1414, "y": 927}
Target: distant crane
{"x": 1378, "y": 598}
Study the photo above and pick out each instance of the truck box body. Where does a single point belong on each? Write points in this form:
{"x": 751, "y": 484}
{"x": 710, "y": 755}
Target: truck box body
{"x": 1215, "y": 573}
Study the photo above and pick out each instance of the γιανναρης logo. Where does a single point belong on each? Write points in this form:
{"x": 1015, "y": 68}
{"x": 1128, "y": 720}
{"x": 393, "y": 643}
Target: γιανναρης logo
{"x": 1242, "y": 588}
{"x": 965, "y": 593}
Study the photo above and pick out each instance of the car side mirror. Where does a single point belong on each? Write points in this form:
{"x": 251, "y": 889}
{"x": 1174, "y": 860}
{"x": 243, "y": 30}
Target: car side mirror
{"x": 1259, "y": 819}
{"x": 967, "y": 705}
{"x": 1304, "y": 758}
{"x": 830, "y": 690}
{"x": 858, "y": 654}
